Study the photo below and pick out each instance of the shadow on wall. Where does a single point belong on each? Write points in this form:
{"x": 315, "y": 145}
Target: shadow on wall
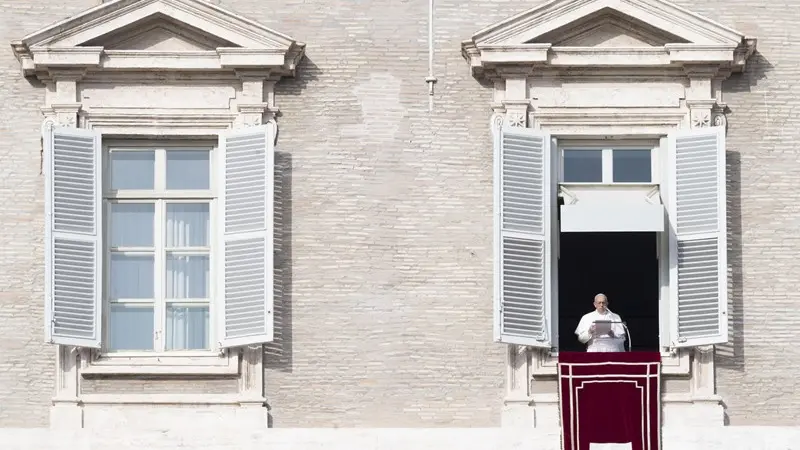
{"x": 756, "y": 70}
{"x": 306, "y": 73}
{"x": 278, "y": 353}
{"x": 731, "y": 355}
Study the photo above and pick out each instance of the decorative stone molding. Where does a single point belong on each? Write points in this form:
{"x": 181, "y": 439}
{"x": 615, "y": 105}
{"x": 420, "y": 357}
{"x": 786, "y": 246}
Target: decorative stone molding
{"x": 516, "y": 113}
{"x": 178, "y": 68}
{"x": 606, "y": 69}
{"x": 526, "y": 40}
{"x": 701, "y": 117}
{"x": 498, "y": 119}
{"x": 82, "y": 41}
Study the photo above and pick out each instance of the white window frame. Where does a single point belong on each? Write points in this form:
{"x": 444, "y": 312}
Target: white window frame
{"x": 673, "y": 360}
{"x": 176, "y": 362}
{"x": 608, "y": 147}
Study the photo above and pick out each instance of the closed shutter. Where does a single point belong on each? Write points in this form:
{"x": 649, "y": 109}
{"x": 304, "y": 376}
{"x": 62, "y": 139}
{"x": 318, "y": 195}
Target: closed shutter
{"x": 246, "y": 201}
{"x": 73, "y": 237}
{"x": 698, "y": 244}
{"x": 523, "y": 208}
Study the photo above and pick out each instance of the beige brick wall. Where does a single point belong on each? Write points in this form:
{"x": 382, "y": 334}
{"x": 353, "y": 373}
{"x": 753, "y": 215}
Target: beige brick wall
{"x": 386, "y": 317}
{"x": 756, "y": 371}
{"x": 27, "y": 363}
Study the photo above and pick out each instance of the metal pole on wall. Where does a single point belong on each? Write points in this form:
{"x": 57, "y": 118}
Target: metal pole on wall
{"x": 430, "y": 79}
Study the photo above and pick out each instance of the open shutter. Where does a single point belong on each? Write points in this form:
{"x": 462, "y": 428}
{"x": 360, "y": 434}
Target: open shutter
{"x": 73, "y": 237}
{"x": 523, "y": 207}
{"x": 698, "y": 244}
{"x": 246, "y": 198}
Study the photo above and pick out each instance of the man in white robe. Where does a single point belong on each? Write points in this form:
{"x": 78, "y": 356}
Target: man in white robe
{"x": 613, "y": 340}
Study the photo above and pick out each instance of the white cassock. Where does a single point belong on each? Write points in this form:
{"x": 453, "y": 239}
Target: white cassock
{"x": 601, "y": 344}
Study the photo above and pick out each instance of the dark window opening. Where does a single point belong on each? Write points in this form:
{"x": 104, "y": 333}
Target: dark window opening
{"x": 624, "y": 266}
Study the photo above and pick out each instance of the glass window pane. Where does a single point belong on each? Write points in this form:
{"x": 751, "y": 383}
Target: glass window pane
{"x": 187, "y": 327}
{"x": 132, "y": 170}
{"x": 131, "y": 276}
{"x": 187, "y": 224}
{"x": 130, "y": 327}
{"x": 583, "y": 166}
{"x": 132, "y": 224}
{"x": 632, "y": 166}
{"x": 187, "y": 276}
{"x": 188, "y": 169}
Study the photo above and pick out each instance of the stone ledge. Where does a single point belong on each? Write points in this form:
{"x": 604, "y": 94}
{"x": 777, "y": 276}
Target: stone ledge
{"x": 227, "y": 437}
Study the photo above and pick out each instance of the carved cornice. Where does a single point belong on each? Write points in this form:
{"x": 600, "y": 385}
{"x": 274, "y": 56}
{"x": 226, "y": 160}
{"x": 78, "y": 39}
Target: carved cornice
{"x": 545, "y": 18}
{"x": 697, "y": 41}
{"x": 148, "y": 122}
{"x": 77, "y": 41}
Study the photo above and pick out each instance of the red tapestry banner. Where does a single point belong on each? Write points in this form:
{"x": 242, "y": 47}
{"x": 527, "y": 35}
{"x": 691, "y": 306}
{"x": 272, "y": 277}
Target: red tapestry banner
{"x": 610, "y": 398}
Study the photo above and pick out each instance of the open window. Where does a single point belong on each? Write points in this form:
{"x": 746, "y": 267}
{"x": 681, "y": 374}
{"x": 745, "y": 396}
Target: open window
{"x": 603, "y": 77}
{"x": 665, "y": 275}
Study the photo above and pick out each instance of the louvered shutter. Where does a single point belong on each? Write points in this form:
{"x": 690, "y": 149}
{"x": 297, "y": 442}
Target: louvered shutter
{"x": 697, "y": 214}
{"x": 246, "y": 199}
{"x": 73, "y": 237}
{"x": 523, "y": 207}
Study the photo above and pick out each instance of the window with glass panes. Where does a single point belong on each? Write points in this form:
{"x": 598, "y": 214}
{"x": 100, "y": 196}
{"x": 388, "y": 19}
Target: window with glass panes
{"x": 618, "y": 164}
{"x": 158, "y": 209}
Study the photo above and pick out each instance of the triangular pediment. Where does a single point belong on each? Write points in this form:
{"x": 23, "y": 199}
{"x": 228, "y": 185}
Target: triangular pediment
{"x": 608, "y": 28}
{"x": 606, "y": 33}
{"x": 650, "y": 17}
{"x": 159, "y": 34}
{"x": 161, "y": 29}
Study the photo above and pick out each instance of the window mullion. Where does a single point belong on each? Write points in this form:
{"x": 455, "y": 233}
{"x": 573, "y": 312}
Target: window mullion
{"x": 214, "y": 303}
{"x": 608, "y": 170}
{"x": 106, "y": 279}
{"x": 159, "y": 308}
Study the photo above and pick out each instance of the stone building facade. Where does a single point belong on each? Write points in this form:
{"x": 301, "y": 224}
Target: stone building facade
{"x": 383, "y": 226}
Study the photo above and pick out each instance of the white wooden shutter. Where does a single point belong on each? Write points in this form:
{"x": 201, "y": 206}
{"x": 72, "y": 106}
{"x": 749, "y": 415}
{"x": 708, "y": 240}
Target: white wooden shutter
{"x": 698, "y": 244}
{"x": 246, "y": 200}
{"x": 523, "y": 207}
{"x": 73, "y": 237}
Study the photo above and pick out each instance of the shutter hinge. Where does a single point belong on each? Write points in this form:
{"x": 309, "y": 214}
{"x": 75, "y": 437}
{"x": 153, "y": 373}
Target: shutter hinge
{"x": 683, "y": 339}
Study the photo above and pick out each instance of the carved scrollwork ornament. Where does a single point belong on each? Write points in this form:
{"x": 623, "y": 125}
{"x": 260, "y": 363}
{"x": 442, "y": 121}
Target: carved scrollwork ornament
{"x": 720, "y": 120}
{"x": 274, "y": 125}
{"x": 48, "y": 124}
{"x": 497, "y": 121}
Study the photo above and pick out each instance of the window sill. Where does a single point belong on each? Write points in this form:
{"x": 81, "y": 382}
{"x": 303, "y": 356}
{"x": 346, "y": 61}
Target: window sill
{"x": 671, "y": 364}
{"x": 189, "y": 364}
{"x": 614, "y": 184}
{"x": 170, "y": 399}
